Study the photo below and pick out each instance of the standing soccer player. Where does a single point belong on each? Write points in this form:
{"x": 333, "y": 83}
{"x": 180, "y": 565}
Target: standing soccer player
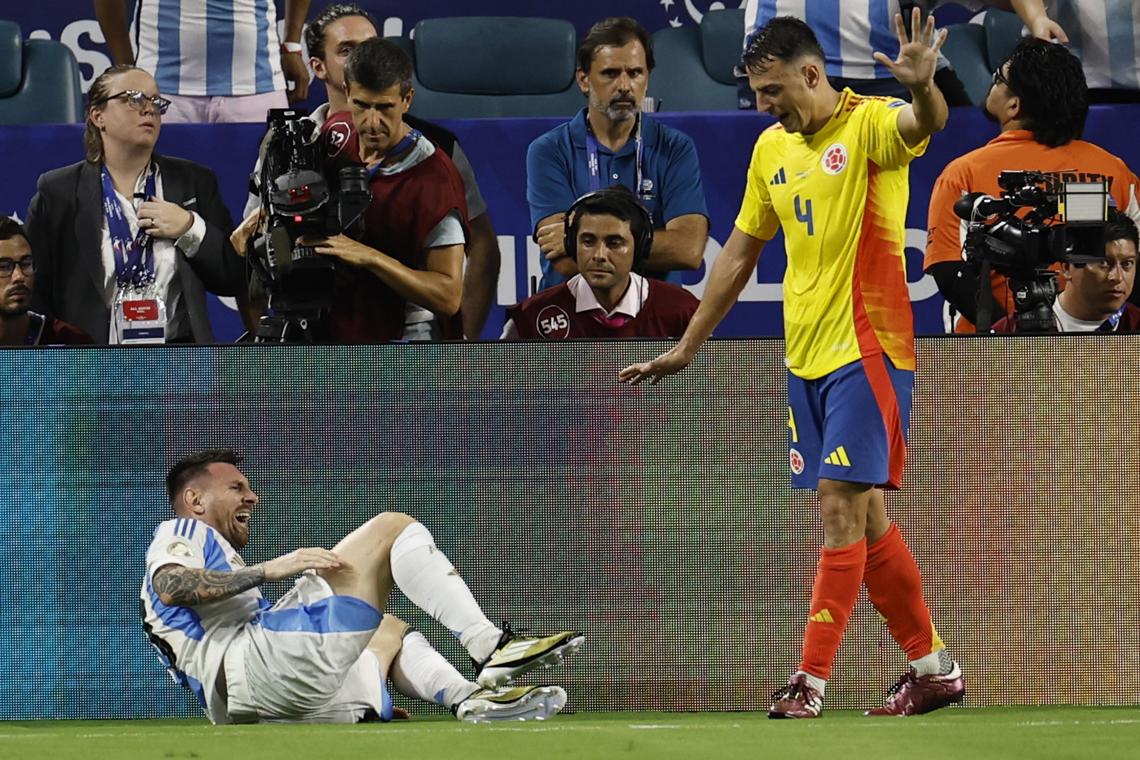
{"x": 833, "y": 172}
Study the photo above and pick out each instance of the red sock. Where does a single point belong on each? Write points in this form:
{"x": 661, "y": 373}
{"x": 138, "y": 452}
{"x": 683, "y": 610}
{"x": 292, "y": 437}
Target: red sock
{"x": 837, "y": 581}
{"x": 894, "y": 586}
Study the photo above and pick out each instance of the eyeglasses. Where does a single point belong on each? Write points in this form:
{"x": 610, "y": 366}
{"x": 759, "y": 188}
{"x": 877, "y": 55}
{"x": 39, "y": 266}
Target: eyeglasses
{"x": 999, "y": 78}
{"x": 8, "y": 266}
{"x": 137, "y": 100}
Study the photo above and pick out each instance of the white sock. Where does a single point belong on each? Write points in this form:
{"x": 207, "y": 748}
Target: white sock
{"x": 817, "y": 683}
{"x": 421, "y": 672}
{"x": 428, "y": 579}
{"x": 933, "y": 664}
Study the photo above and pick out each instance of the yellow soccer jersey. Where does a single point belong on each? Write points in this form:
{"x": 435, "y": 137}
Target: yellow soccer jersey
{"x": 841, "y": 196}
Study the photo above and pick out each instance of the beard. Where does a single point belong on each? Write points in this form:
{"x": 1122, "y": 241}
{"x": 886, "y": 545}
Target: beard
{"x": 12, "y": 312}
{"x": 619, "y": 109}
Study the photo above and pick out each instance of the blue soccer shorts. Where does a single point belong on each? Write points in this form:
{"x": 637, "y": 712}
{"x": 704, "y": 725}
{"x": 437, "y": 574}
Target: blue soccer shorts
{"x": 850, "y": 424}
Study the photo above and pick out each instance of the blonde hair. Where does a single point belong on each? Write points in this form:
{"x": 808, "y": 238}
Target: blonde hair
{"x": 100, "y": 89}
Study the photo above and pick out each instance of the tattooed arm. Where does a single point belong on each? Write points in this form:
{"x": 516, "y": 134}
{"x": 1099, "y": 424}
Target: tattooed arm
{"x": 182, "y": 586}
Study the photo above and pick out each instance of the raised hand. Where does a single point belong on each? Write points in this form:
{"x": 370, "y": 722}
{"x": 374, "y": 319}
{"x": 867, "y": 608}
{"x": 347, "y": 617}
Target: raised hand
{"x": 918, "y": 56}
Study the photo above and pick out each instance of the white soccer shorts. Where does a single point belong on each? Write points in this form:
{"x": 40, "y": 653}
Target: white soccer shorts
{"x": 305, "y": 660}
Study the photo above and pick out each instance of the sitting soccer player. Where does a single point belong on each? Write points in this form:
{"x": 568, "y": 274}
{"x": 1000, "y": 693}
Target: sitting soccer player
{"x": 610, "y": 233}
{"x": 1095, "y": 298}
{"x": 324, "y": 652}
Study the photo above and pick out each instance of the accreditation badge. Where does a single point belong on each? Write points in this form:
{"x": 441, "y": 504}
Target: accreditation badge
{"x": 138, "y": 317}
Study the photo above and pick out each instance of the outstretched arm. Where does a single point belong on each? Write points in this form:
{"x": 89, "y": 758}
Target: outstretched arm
{"x": 914, "y": 70}
{"x": 730, "y": 274}
{"x": 177, "y": 585}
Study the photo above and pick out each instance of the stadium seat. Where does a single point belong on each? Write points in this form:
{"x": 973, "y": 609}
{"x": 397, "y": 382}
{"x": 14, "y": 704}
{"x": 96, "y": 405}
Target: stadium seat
{"x": 722, "y": 42}
{"x": 491, "y": 66}
{"x": 965, "y": 47}
{"x": 976, "y": 50}
{"x": 39, "y": 80}
{"x": 1003, "y": 30}
{"x": 694, "y": 64}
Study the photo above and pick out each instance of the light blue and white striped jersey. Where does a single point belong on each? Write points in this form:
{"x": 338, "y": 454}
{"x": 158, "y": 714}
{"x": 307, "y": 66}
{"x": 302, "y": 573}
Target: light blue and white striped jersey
{"x": 191, "y": 642}
{"x": 209, "y": 47}
{"x": 849, "y": 31}
{"x": 1105, "y": 35}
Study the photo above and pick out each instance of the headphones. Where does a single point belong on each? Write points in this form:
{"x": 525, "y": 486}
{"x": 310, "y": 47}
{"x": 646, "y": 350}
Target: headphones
{"x": 612, "y": 201}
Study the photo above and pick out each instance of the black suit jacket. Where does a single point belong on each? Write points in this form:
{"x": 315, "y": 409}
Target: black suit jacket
{"x": 65, "y": 229}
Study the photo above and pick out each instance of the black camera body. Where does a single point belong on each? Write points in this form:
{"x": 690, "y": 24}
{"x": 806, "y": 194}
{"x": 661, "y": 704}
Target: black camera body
{"x": 1064, "y": 223}
{"x": 300, "y": 202}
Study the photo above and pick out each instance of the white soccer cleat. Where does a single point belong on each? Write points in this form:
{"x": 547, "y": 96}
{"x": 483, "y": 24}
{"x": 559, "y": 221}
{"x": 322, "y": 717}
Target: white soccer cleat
{"x": 519, "y": 703}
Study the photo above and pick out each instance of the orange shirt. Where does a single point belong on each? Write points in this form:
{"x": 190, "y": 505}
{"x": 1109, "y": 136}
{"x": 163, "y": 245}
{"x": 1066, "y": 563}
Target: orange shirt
{"x": 1016, "y": 150}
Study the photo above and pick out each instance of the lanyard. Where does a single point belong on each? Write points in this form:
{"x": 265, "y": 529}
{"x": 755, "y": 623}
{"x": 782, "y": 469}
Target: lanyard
{"x": 406, "y": 143}
{"x": 134, "y": 257}
{"x": 595, "y": 167}
{"x": 1113, "y": 321}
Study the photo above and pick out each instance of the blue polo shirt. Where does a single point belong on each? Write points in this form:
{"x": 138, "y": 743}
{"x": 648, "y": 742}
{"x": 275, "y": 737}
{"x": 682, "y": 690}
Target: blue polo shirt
{"x": 557, "y": 175}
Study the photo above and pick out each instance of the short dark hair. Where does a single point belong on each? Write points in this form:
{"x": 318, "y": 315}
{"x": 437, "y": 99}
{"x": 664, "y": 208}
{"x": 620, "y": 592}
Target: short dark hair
{"x": 378, "y": 64}
{"x": 783, "y": 38}
{"x": 616, "y": 201}
{"x": 1050, "y": 84}
{"x": 189, "y": 467}
{"x": 1120, "y": 227}
{"x": 615, "y": 31}
{"x": 10, "y": 227}
{"x": 316, "y": 29}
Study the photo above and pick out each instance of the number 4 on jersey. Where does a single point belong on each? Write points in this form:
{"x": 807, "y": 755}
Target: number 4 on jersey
{"x": 804, "y": 215}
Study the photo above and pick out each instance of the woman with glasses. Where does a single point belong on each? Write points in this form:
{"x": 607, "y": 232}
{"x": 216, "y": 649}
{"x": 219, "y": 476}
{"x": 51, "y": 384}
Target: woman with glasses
{"x": 127, "y": 242}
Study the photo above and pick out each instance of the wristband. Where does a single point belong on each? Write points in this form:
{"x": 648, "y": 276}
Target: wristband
{"x": 291, "y": 47}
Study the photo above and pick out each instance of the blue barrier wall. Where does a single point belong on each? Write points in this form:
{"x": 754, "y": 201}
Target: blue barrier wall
{"x": 498, "y": 152}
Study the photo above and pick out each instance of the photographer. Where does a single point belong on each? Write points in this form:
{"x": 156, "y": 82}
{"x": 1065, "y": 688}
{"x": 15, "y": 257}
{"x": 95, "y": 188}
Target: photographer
{"x": 330, "y": 37}
{"x": 1096, "y": 294}
{"x": 1039, "y": 99}
{"x": 403, "y": 278}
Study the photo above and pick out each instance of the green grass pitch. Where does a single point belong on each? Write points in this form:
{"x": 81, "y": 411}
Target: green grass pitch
{"x": 1020, "y": 732}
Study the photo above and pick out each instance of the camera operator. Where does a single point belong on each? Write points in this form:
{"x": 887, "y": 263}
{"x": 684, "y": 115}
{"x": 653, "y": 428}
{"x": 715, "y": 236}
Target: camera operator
{"x": 1096, "y": 294}
{"x": 404, "y": 278}
{"x": 330, "y": 38}
{"x": 1039, "y": 99}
